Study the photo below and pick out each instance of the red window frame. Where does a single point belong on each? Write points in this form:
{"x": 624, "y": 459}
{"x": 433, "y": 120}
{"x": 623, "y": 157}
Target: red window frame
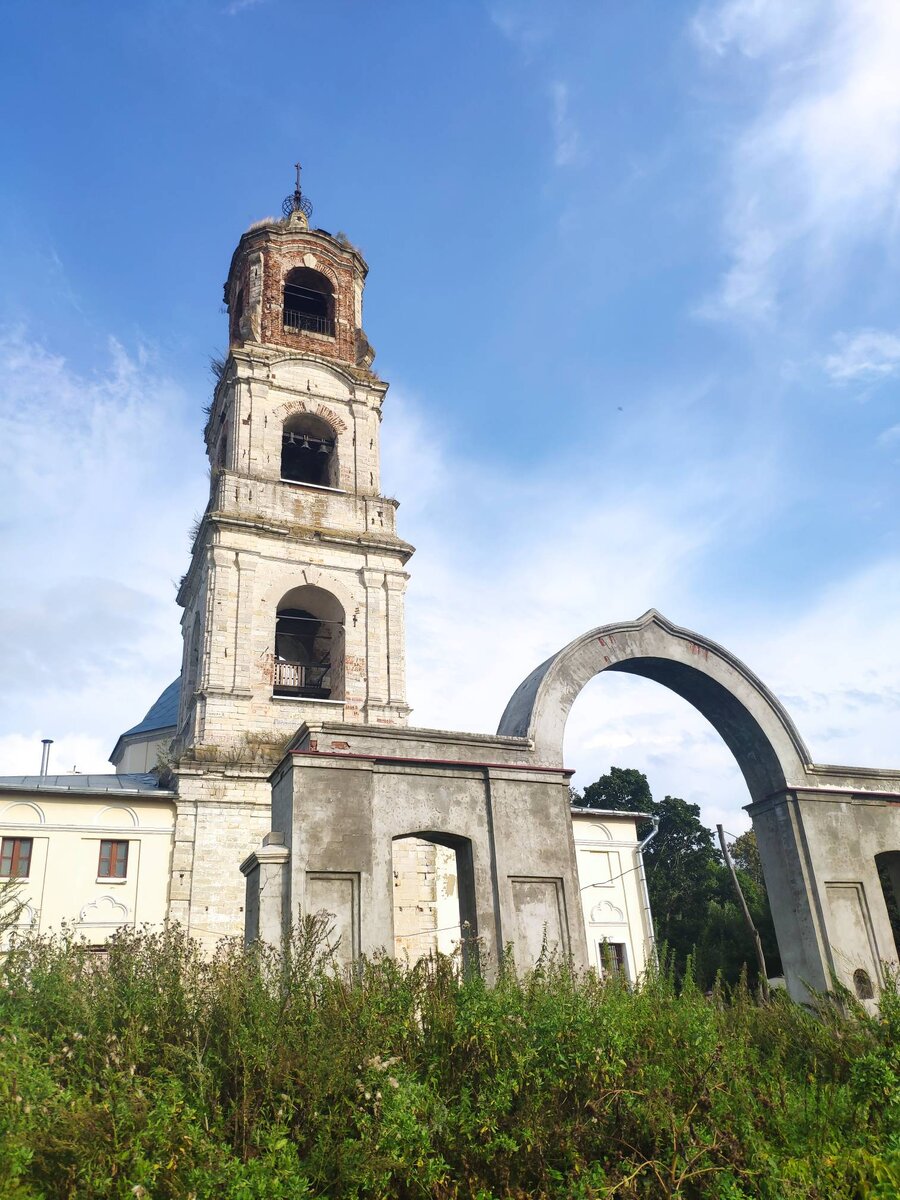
{"x": 15, "y": 857}
{"x": 113, "y": 863}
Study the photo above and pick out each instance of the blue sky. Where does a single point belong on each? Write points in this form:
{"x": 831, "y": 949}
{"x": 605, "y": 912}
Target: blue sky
{"x": 634, "y": 280}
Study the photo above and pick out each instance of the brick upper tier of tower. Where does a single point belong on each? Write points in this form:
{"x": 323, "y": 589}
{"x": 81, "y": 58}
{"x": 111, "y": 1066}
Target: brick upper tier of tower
{"x": 269, "y": 257}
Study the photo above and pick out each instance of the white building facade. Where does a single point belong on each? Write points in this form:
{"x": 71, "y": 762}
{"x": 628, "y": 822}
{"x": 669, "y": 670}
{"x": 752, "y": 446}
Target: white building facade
{"x": 617, "y": 919}
{"x": 93, "y": 853}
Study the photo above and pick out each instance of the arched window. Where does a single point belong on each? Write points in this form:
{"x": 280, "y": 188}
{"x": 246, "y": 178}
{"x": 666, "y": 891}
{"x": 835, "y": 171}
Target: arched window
{"x": 309, "y": 645}
{"x": 862, "y": 985}
{"x": 308, "y": 302}
{"x": 308, "y": 451}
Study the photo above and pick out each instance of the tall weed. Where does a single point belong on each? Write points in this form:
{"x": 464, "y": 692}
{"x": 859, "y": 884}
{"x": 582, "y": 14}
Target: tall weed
{"x": 159, "y": 1073}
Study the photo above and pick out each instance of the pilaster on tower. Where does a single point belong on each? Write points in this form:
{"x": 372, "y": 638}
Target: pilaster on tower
{"x": 294, "y": 597}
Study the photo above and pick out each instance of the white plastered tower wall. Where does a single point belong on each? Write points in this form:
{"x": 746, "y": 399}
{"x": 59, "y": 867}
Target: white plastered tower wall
{"x": 263, "y": 538}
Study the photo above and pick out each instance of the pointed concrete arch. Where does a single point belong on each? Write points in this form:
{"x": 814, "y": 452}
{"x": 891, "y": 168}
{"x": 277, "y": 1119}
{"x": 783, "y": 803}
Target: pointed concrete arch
{"x": 754, "y": 725}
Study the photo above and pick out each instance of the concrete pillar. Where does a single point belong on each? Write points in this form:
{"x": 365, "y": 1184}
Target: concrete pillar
{"x": 790, "y": 882}
{"x": 266, "y": 904}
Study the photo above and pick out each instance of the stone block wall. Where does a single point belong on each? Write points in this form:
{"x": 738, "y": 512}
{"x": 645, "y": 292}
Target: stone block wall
{"x": 223, "y": 813}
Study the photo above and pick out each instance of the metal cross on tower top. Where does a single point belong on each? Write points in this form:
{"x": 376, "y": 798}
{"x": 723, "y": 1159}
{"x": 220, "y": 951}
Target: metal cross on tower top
{"x": 297, "y": 202}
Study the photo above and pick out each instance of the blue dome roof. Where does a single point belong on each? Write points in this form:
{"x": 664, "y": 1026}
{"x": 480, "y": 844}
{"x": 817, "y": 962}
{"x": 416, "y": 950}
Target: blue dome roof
{"x": 163, "y": 714}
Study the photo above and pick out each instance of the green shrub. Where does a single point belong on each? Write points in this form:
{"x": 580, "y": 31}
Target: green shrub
{"x": 155, "y": 1072}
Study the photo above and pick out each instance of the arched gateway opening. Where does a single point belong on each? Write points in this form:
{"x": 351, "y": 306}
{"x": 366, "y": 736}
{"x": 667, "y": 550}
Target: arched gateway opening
{"x": 819, "y": 829}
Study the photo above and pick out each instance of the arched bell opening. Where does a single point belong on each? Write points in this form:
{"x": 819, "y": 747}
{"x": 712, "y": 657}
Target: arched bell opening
{"x": 433, "y": 896}
{"x": 309, "y": 451}
{"x": 308, "y": 302}
{"x": 309, "y": 645}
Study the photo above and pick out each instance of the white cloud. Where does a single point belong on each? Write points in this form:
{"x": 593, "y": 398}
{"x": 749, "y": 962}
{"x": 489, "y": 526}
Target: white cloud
{"x": 20, "y": 753}
{"x": 836, "y": 666}
{"x": 753, "y": 27}
{"x": 102, "y": 473}
{"x": 817, "y": 170}
{"x": 509, "y": 568}
{"x": 528, "y": 26}
{"x": 868, "y": 354}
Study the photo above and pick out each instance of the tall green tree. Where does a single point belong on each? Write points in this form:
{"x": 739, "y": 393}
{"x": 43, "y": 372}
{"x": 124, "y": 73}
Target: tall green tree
{"x": 745, "y": 856}
{"x": 623, "y": 789}
{"x": 683, "y": 875}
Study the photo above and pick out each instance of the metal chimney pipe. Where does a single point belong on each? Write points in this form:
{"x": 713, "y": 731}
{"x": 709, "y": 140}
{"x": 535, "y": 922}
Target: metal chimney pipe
{"x": 45, "y": 754}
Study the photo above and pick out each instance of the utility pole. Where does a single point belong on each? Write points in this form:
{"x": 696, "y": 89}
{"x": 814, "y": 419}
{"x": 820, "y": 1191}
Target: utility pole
{"x": 760, "y": 957}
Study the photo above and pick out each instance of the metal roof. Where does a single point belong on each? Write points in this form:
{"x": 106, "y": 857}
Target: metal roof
{"x": 163, "y": 714}
{"x": 81, "y": 783}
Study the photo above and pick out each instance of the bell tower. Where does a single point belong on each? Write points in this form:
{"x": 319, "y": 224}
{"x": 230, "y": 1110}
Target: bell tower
{"x": 293, "y": 601}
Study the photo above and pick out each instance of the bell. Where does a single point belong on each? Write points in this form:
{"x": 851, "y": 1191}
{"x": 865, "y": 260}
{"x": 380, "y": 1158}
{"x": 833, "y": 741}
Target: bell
{"x": 305, "y": 445}
{"x": 324, "y": 447}
{"x": 291, "y": 438}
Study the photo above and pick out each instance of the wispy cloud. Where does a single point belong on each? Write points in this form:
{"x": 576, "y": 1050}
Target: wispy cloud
{"x": 524, "y": 23}
{"x": 868, "y": 354}
{"x": 753, "y": 27}
{"x": 566, "y": 139}
{"x": 836, "y": 663}
{"x": 237, "y": 6}
{"x": 529, "y": 26}
{"x": 817, "y": 168}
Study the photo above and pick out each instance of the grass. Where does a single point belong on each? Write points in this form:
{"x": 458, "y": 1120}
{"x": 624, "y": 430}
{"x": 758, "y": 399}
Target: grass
{"x": 157, "y": 1073}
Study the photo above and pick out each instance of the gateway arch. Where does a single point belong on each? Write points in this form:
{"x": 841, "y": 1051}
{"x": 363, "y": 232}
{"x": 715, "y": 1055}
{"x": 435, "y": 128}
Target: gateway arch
{"x": 820, "y": 828}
